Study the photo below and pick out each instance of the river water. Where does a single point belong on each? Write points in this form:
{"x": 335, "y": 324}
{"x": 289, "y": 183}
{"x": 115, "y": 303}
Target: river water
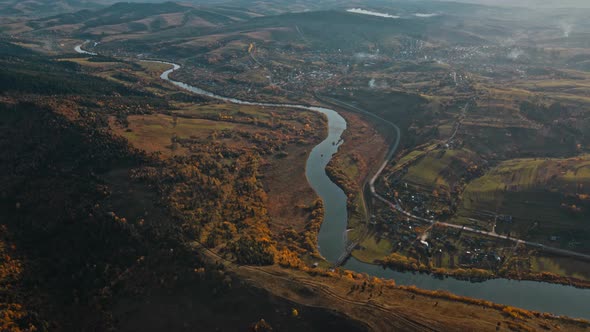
{"x": 79, "y": 49}
{"x": 539, "y": 296}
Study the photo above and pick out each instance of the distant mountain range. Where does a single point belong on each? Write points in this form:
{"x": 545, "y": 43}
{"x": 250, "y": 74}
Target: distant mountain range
{"x": 531, "y": 3}
{"x": 40, "y": 8}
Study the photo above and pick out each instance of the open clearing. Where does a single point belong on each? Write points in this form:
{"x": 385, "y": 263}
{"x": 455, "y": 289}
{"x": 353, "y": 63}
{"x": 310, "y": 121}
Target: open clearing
{"x": 440, "y": 169}
{"x": 154, "y": 133}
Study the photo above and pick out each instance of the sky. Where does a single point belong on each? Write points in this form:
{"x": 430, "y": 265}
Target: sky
{"x": 533, "y": 3}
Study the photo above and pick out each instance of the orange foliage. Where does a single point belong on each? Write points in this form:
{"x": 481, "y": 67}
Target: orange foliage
{"x": 517, "y": 313}
{"x": 287, "y": 258}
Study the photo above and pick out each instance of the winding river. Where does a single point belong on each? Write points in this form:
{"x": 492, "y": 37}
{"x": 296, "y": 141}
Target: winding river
{"x": 533, "y": 295}
{"x": 79, "y": 49}
{"x": 539, "y": 296}
{"x": 331, "y": 238}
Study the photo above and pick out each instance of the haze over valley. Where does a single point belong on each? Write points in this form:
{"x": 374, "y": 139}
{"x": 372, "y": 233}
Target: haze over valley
{"x": 294, "y": 165}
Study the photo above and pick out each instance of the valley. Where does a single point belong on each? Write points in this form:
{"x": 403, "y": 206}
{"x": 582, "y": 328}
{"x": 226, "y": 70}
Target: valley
{"x": 330, "y": 159}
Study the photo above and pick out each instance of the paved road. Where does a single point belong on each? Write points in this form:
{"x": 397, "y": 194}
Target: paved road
{"x": 392, "y": 149}
{"x": 398, "y": 207}
{"x": 540, "y": 246}
{"x": 458, "y": 126}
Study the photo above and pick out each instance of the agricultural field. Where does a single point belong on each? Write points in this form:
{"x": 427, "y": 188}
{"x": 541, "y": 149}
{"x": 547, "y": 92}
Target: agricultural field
{"x": 545, "y": 197}
{"x": 442, "y": 170}
{"x": 478, "y": 114}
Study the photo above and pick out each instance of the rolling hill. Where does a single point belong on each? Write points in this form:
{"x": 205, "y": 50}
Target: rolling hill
{"x": 39, "y": 8}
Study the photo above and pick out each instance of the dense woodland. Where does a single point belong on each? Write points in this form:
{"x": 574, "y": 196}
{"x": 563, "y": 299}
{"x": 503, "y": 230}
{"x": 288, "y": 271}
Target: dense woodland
{"x": 89, "y": 223}
{"x": 129, "y": 204}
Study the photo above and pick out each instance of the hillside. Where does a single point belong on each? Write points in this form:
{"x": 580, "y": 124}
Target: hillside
{"x": 38, "y": 8}
{"x": 550, "y": 192}
{"x": 120, "y": 247}
{"x": 130, "y": 18}
{"x": 464, "y": 156}
{"x": 85, "y": 245}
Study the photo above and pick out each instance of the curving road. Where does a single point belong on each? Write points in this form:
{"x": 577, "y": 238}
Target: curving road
{"x": 388, "y": 158}
{"x": 530, "y": 294}
{"x": 392, "y": 149}
{"x": 398, "y": 207}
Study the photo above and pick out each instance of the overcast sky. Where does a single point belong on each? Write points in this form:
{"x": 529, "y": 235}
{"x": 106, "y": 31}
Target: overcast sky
{"x": 532, "y": 3}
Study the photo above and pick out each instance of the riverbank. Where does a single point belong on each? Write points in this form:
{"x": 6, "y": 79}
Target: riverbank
{"x": 336, "y": 215}
{"x": 351, "y": 168}
{"x": 368, "y": 300}
{"x": 404, "y": 264}
{"x": 332, "y": 233}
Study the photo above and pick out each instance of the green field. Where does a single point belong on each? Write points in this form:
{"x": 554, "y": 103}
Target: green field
{"x": 440, "y": 169}
{"x": 373, "y": 248}
{"x": 154, "y": 132}
{"x": 552, "y": 192}
{"x": 410, "y": 156}
{"x": 561, "y": 266}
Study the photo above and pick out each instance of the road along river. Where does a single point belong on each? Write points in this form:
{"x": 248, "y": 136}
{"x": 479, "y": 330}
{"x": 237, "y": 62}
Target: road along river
{"x": 331, "y": 241}
{"x": 533, "y": 295}
{"x": 540, "y": 296}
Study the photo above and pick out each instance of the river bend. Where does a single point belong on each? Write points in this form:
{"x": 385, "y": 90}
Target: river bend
{"x": 533, "y": 295}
